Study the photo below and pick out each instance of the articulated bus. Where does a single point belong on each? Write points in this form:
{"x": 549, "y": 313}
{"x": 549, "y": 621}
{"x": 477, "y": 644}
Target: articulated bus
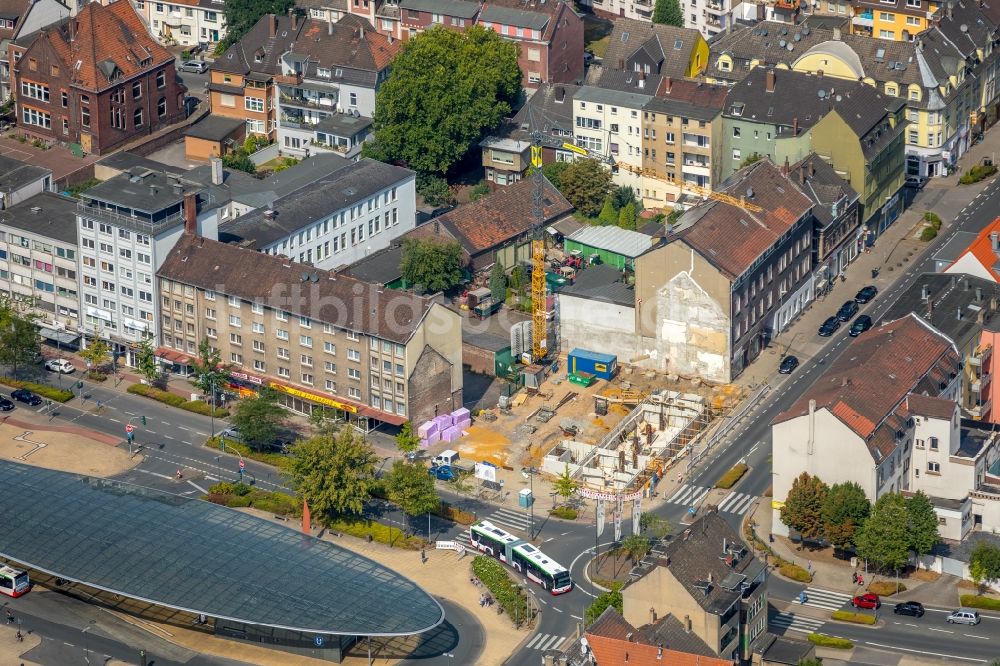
{"x": 13, "y": 582}
{"x": 522, "y": 556}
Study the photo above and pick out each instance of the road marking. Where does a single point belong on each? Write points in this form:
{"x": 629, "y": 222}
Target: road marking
{"x": 151, "y": 432}
{"x": 211, "y": 478}
{"x": 183, "y": 428}
{"x": 115, "y": 420}
{"x": 198, "y": 487}
{"x": 933, "y": 654}
{"x": 168, "y": 436}
{"x": 985, "y": 638}
{"x": 576, "y": 617}
{"x": 549, "y": 539}
{"x": 943, "y": 631}
{"x": 162, "y": 476}
{"x": 559, "y": 610}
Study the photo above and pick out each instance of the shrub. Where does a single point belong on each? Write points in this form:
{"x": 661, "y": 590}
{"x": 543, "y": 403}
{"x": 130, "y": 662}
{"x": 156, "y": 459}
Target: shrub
{"x": 363, "y": 528}
{"x": 44, "y": 390}
{"x": 822, "y": 640}
{"x": 434, "y": 190}
{"x": 267, "y": 457}
{"x": 929, "y": 233}
{"x": 564, "y": 512}
{"x": 613, "y": 598}
{"x": 278, "y": 503}
{"x": 730, "y": 478}
{"x": 96, "y": 376}
{"x": 479, "y": 190}
{"x": 977, "y": 173}
{"x": 456, "y": 515}
{"x": 174, "y": 400}
{"x": 856, "y": 618}
{"x": 203, "y": 408}
{"x": 498, "y": 582}
{"x": 241, "y": 495}
{"x": 886, "y": 588}
{"x": 975, "y": 601}
{"x": 227, "y": 488}
{"x": 794, "y": 572}
{"x": 933, "y": 218}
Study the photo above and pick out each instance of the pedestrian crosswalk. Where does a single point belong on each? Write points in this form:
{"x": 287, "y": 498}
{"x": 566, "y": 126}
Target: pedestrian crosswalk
{"x": 825, "y": 599}
{"x": 691, "y": 495}
{"x": 783, "y": 622}
{"x": 546, "y": 642}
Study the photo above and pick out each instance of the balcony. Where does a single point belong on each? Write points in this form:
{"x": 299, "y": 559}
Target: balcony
{"x": 981, "y": 356}
{"x": 327, "y": 103}
{"x": 787, "y": 5}
{"x": 865, "y": 18}
{"x": 715, "y": 8}
{"x": 714, "y": 22}
{"x": 981, "y": 411}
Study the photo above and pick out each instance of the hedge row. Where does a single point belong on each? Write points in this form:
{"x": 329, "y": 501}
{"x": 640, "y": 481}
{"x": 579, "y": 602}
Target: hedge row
{"x": 267, "y": 457}
{"x": 928, "y": 234}
{"x": 975, "y": 601}
{"x": 794, "y": 572}
{"x": 498, "y": 582}
{"x": 822, "y": 640}
{"x": 363, "y": 528}
{"x": 238, "y": 495}
{"x": 856, "y": 618}
{"x": 174, "y": 400}
{"x": 977, "y": 173}
{"x": 886, "y": 588}
{"x": 44, "y": 390}
{"x": 455, "y": 515}
{"x": 564, "y": 512}
{"x": 730, "y": 478}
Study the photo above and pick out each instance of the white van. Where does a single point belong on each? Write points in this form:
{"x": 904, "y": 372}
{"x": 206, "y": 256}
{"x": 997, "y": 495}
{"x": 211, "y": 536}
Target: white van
{"x": 447, "y": 457}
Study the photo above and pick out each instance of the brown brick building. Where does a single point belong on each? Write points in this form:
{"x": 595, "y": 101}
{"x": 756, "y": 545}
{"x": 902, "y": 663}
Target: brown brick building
{"x": 97, "y": 79}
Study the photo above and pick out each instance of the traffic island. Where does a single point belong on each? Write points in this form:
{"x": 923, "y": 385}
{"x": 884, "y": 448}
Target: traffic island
{"x": 64, "y": 449}
{"x": 853, "y": 618}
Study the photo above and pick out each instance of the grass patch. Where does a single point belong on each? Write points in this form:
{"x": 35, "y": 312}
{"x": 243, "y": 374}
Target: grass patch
{"x": 564, "y": 512}
{"x": 44, "y": 390}
{"x": 976, "y": 601}
{"x": 730, "y": 478}
{"x": 886, "y": 588}
{"x": 496, "y": 579}
{"x": 174, "y": 400}
{"x": 793, "y": 571}
{"x": 856, "y": 618}
{"x": 363, "y": 528}
{"x": 240, "y": 495}
{"x": 822, "y": 640}
{"x": 596, "y": 34}
{"x": 977, "y": 173}
{"x": 268, "y": 457}
{"x": 76, "y": 190}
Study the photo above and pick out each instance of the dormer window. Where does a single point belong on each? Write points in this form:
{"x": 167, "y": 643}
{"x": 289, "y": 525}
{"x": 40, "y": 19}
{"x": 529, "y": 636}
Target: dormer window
{"x": 323, "y": 72}
{"x": 737, "y": 109}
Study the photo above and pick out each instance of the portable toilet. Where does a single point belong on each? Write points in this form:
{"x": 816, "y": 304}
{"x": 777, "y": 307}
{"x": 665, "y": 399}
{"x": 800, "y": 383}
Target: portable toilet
{"x": 525, "y": 498}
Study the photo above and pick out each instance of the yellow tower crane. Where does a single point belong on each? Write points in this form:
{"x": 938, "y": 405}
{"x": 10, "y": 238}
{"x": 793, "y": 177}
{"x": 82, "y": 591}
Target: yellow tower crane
{"x": 539, "y": 318}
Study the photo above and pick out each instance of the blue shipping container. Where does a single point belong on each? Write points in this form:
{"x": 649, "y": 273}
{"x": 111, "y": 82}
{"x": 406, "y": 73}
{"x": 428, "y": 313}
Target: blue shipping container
{"x": 600, "y": 365}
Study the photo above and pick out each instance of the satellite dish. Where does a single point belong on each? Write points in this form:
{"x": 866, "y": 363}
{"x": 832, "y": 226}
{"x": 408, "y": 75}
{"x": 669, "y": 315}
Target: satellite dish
{"x": 797, "y": 37}
{"x": 305, "y": 277}
{"x": 822, "y": 94}
{"x": 782, "y": 43}
{"x": 963, "y": 28}
{"x": 784, "y": 31}
{"x": 749, "y": 193}
{"x": 805, "y": 31}
{"x": 840, "y": 97}
{"x": 314, "y": 277}
{"x": 791, "y": 48}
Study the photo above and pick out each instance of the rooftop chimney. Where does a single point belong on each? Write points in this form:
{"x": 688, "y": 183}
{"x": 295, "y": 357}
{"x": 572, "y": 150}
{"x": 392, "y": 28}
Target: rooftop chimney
{"x": 191, "y": 213}
{"x": 802, "y": 175}
{"x": 795, "y": 126}
{"x": 979, "y": 294}
{"x": 295, "y": 18}
{"x": 687, "y": 623}
{"x": 949, "y": 9}
{"x": 560, "y": 94}
{"x": 769, "y": 81}
{"x": 958, "y": 313}
{"x": 667, "y": 84}
{"x": 812, "y": 168}
{"x": 785, "y": 168}
{"x": 216, "y": 163}
{"x": 272, "y": 25}
{"x": 329, "y": 28}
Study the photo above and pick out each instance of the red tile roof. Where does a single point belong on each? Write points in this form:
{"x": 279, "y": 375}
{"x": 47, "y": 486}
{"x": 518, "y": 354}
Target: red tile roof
{"x": 616, "y": 652}
{"x": 106, "y": 38}
{"x": 982, "y": 250}
{"x": 732, "y": 238}
{"x": 867, "y": 387}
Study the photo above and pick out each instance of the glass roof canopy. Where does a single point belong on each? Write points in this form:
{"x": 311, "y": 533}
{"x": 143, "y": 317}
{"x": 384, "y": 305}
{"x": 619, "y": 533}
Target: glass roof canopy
{"x": 196, "y": 556}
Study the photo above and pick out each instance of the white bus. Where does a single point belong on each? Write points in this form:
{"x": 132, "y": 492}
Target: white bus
{"x": 13, "y": 582}
{"x": 522, "y": 556}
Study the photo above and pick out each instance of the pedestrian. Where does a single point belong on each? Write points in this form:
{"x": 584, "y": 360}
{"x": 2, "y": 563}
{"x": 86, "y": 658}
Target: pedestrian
{"x": 423, "y": 556}
{"x": 854, "y": 577}
{"x": 20, "y": 636}
{"x": 10, "y": 617}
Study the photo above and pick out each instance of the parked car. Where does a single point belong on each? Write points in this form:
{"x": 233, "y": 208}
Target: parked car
{"x": 441, "y": 472}
{"x": 916, "y": 182}
{"x": 196, "y": 66}
{"x": 788, "y": 365}
{"x": 5, "y": 404}
{"x": 829, "y": 327}
{"x": 847, "y": 310}
{"x": 232, "y": 432}
{"x": 869, "y": 600}
{"x": 866, "y": 294}
{"x": 964, "y": 616}
{"x": 26, "y": 396}
{"x": 60, "y": 365}
{"x": 914, "y": 608}
{"x": 860, "y": 325}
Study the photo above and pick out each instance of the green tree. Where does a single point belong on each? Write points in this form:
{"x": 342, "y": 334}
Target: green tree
{"x": 923, "y": 524}
{"x": 18, "y": 335}
{"x": 627, "y": 217}
{"x": 96, "y": 353}
{"x": 146, "y": 360}
{"x": 884, "y": 538}
{"x": 407, "y": 440}
{"x": 844, "y": 511}
{"x": 259, "y": 418}
{"x": 239, "y": 160}
{"x": 668, "y": 12}
{"x": 433, "y": 265}
{"x": 479, "y": 190}
{"x": 241, "y": 15}
{"x": 812, "y": 661}
{"x": 410, "y": 487}
{"x": 335, "y": 473}
{"x": 803, "y": 507}
{"x": 635, "y": 546}
{"x": 210, "y": 373}
{"x": 498, "y": 282}
{"x": 585, "y": 184}
{"x": 553, "y": 171}
{"x": 565, "y": 485}
{"x": 653, "y": 525}
{"x": 611, "y": 598}
{"x": 608, "y": 216}
{"x": 435, "y": 190}
{"x": 751, "y": 159}
{"x": 447, "y": 90}
{"x": 324, "y": 420}
{"x": 984, "y": 563}
{"x": 622, "y": 196}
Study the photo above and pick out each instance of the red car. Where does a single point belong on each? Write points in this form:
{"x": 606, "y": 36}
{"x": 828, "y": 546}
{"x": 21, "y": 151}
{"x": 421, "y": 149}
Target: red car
{"x": 866, "y": 601}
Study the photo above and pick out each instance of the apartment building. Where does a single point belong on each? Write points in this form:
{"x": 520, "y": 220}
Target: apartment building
{"x": 708, "y": 577}
{"x": 97, "y": 79}
{"x": 23, "y": 17}
{"x": 682, "y": 132}
{"x": 126, "y": 227}
{"x": 897, "y": 20}
{"x": 184, "y": 22}
{"x": 20, "y": 180}
{"x": 419, "y": 15}
{"x": 335, "y": 221}
{"x": 321, "y": 339}
{"x": 324, "y": 10}
{"x": 656, "y": 50}
{"x": 39, "y": 262}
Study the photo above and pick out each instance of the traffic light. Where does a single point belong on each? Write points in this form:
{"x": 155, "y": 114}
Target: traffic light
{"x": 143, "y": 420}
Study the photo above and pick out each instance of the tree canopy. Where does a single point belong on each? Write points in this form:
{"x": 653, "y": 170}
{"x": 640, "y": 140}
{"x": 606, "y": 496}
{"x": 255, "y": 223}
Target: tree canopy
{"x": 241, "y": 15}
{"x": 209, "y": 372}
{"x": 803, "y": 507}
{"x": 432, "y": 265}
{"x": 585, "y": 184}
{"x": 923, "y": 523}
{"x": 668, "y": 12}
{"x": 18, "y": 335}
{"x": 412, "y": 488}
{"x": 335, "y": 473}
{"x": 96, "y": 353}
{"x": 565, "y": 485}
{"x": 447, "y": 90}
{"x": 407, "y": 440}
{"x": 844, "y": 511}
{"x": 984, "y": 563}
{"x": 146, "y": 360}
{"x": 884, "y": 538}
{"x": 258, "y": 418}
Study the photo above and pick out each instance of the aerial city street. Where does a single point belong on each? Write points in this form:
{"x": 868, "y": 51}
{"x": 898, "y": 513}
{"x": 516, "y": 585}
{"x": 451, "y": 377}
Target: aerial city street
{"x": 559, "y": 332}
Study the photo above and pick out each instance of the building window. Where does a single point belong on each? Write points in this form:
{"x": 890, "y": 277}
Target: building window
{"x": 137, "y": 118}
{"x": 933, "y": 468}
{"x": 254, "y": 104}
{"x": 35, "y": 117}
{"x": 737, "y": 155}
{"x": 933, "y": 442}
{"x": 886, "y": 34}
{"x": 161, "y": 80}
{"x": 35, "y": 91}
{"x": 137, "y": 90}
{"x": 161, "y": 107}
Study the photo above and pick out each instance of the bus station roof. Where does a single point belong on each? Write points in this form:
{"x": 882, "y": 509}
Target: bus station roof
{"x": 195, "y": 556}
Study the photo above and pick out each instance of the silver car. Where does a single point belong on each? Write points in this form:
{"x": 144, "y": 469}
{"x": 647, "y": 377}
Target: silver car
{"x": 964, "y": 616}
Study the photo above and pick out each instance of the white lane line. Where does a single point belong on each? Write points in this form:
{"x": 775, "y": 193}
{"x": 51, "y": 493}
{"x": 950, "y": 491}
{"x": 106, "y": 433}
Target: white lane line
{"x": 198, "y": 487}
{"x": 162, "y": 476}
{"x": 933, "y": 654}
{"x": 559, "y": 610}
{"x": 168, "y": 436}
{"x": 183, "y": 428}
{"x": 985, "y": 638}
{"x": 943, "y": 631}
{"x": 115, "y": 420}
{"x": 211, "y": 478}
{"x": 576, "y": 617}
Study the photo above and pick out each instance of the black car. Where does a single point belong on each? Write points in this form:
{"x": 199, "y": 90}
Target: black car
{"x": 866, "y": 294}
{"x": 26, "y": 396}
{"x": 5, "y": 404}
{"x": 829, "y": 327}
{"x": 788, "y": 364}
{"x": 914, "y": 608}
{"x": 860, "y": 325}
{"x": 847, "y": 311}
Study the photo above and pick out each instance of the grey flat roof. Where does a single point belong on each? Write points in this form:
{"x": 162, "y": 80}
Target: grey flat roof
{"x": 150, "y": 193}
{"x": 125, "y": 160}
{"x": 382, "y": 267}
{"x": 511, "y": 16}
{"x": 47, "y": 214}
{"x": 343, "y": 124}
{"x": 15, "y": 174}
{"x": 214, "y": 128}
{"x": 195, "y": 556}
{"x": 601, "y": 283}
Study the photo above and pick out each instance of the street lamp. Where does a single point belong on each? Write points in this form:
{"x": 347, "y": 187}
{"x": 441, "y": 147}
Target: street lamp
{"x": 211, "y": 410}
{"x": 529, "y": 474}
{"x": 86, "y": 641}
